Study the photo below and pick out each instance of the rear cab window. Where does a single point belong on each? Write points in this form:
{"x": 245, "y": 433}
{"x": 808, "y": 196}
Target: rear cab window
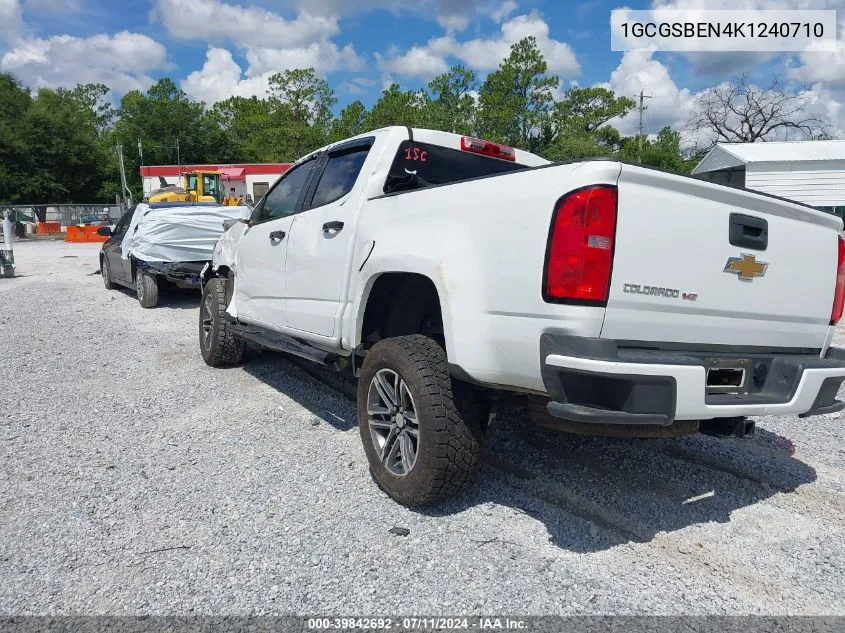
{"x": 420, "y": 165}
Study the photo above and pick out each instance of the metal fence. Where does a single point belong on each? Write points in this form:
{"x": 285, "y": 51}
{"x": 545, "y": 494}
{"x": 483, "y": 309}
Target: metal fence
{"x": 66, "y": 214}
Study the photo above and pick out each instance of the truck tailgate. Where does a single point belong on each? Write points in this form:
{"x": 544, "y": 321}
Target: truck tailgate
{"x": 677, "y": 278}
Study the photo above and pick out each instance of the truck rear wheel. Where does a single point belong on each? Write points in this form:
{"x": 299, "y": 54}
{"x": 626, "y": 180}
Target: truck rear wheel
{"x": 420, "y": 431}
{"x": 218, "y": 344}
{"x": 146, "y": 287}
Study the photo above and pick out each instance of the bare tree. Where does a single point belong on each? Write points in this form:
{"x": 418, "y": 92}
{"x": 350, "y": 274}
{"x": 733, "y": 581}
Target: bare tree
{"x": 742, "y": 112}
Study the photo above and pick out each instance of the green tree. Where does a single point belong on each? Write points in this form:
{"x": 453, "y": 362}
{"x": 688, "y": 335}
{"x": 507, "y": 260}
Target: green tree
{"x": 171, "y": 128}
{"x": 351, "y": 122}
{"x": 301, "y": 112}
{"x": 96, "y": 98}
{"x": 64, "y": 150}
{"x": 588, "y": 109}
{"x": 578, "y": 125}
{"x": 15, "y": 102}
{"x": 664, "y": 152}
{"x": 576, "y": 145}
{"x": 451, "y": 105}
{"x": 396, "y": 107}
{"x": 240, "y": 127}
{"x": 515, "y": 100}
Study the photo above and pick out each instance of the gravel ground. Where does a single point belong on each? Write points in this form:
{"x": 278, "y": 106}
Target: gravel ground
{"x": 136, "y": 480}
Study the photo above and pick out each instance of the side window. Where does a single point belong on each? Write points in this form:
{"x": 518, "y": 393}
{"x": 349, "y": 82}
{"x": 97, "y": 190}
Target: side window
{"x": 123, "y": 222}
{"x": 281, "y": 201}
{"x": 209, "y": 185}
{"x": 339, "y": 176}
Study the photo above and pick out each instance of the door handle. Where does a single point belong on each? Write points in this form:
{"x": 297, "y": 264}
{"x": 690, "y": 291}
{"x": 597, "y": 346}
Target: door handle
{"x": 277, "y": 236}
{"x": 333, "y": 226}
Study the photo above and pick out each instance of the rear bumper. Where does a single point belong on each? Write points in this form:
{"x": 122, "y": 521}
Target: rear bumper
{"x": 599, "y": 380}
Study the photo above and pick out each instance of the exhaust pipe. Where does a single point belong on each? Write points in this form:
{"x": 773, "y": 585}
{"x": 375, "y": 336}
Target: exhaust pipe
{"x": 727, "y": 427}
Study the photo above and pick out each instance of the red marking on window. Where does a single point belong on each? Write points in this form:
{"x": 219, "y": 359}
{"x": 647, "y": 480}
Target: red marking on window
{"x": 416, "y": 154}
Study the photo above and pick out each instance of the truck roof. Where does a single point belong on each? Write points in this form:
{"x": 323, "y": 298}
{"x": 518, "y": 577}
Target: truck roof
{"x": 435, "y": 137}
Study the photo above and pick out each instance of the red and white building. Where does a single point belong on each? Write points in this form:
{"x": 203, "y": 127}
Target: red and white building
{"x": 253, "y": 179}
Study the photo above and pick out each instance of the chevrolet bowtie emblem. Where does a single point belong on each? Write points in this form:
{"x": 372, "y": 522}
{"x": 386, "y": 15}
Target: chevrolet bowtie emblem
{"x": 746, "y": 267}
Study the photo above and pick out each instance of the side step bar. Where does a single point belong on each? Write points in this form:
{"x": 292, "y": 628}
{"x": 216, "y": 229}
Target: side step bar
{"x": 289, "y": 345}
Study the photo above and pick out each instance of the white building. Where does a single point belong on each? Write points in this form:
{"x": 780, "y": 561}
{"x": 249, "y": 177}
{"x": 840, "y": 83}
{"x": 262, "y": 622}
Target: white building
{"x": 812, "y": 172}
{"x": 247, "y": 179}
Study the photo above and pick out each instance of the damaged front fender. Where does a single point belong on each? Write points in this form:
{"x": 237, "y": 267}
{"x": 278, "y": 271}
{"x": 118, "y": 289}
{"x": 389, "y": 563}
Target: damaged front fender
{"x": 225, "y": 250}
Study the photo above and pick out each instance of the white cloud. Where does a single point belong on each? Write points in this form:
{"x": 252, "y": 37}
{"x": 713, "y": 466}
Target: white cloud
{"x": 484, "y": 54}
{"x": 828, "y": 105}
{"x": 269, "y": 42}
{"x": 823, "y": 66}
{"x": 121, "y": 61}
{"x": 221, "y": 77}
{"x": 504, "y": 10}
{"x": 453, "y": 22}
{"x": 323, "y": 56}
{"x": 669, "y": 104}
{"x": 452, "y": 15}
{"x": 419, "y": 61}
{"x": 10, "y": 20}
{"x": 215, "y": 21}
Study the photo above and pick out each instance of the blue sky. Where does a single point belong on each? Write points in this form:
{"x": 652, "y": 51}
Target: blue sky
{"x": 216, "y": 48}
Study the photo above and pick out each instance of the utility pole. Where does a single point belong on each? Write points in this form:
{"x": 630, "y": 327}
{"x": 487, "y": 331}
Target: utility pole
{"x": 178, "y": 159}
{"x": 140, "y": 151}
{"x": 641, "y": 108}
{"x": 123, "y": 173}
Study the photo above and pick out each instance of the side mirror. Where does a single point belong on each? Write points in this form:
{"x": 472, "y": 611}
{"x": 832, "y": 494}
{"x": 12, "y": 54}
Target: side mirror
{"x": 228, "y": 224}
{"x": 105, "y": 231}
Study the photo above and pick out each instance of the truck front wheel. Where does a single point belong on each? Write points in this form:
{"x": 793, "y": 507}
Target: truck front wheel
{"x": 218, "y": 344}
{"x": 420, "y": 431}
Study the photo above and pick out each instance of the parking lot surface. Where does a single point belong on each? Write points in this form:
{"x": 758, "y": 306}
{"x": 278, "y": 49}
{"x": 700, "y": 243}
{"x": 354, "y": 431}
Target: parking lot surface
{"x": 134, "y": 479}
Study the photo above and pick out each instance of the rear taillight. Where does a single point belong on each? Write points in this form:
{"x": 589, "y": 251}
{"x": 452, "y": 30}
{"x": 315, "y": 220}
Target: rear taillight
{"x": 839, "y": 295}
{"x": 487, "y": 148}
{"x": 581, "y": 246}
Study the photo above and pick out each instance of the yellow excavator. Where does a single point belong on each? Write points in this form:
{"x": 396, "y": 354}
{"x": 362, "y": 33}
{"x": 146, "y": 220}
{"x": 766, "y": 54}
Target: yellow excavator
{"x": 197, "y": 186}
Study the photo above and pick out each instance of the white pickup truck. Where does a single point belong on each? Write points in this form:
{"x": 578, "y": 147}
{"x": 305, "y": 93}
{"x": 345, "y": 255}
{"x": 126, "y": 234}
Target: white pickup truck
{"x": 444, "y": 270}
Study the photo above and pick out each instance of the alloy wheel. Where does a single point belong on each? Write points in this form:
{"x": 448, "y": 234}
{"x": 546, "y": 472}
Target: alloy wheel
{"x": 207, "y": 320}
{"x": 393, "y": 422}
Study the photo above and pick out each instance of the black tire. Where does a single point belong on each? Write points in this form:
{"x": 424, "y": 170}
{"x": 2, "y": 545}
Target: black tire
{"x": 105, "y": 271}
{"x": 447, "y": 449}
{"x": 8, "y": 271}
{"x": 219, "y": 346}
{"x": 146, "y": 288}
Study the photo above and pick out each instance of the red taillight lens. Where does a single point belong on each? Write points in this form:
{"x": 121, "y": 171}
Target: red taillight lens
{"x": 839, "y": 295}
{"x": 487, "y": 148}
{"x": 581, "y": 246}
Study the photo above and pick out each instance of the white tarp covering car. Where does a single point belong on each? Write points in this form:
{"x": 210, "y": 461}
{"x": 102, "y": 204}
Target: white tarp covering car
{"x": 169, "y": 242}
{"x": 177, "y": 233}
